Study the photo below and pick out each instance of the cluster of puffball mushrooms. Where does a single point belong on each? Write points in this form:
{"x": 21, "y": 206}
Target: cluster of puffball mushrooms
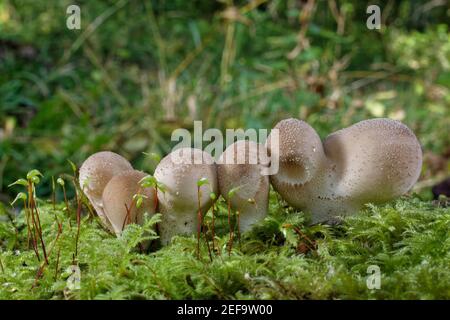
{"x": 373, "y": 161}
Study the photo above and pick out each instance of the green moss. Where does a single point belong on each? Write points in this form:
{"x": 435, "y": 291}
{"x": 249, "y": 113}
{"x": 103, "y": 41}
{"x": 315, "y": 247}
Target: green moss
{"x": 280, "y": 259}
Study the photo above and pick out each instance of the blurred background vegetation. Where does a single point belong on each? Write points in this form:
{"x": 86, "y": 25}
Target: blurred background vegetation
{"x": 139, "y": 69}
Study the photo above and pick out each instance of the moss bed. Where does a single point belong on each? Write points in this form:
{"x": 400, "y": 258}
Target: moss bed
{"x": 282, "y": 258}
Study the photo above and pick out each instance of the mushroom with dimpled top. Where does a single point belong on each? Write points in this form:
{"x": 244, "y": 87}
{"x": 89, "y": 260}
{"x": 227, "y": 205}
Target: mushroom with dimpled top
{"x": 374, "y": 161}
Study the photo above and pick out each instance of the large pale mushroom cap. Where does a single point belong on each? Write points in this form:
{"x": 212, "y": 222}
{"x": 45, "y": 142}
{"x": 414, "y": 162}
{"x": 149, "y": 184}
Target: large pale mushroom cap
{"x": 371, "y": 161}
{"x": 252, "y": 193}
{"x": 178, "y": 204}
{"x": 118, "y": 196}
{"x": 376, "y": 160}
{"x": 95, "y": 173}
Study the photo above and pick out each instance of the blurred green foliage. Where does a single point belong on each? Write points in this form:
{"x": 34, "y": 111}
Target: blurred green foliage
{"x": 139, "y": 69}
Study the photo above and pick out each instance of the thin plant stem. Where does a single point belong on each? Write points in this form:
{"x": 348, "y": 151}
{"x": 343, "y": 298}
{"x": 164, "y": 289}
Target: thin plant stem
{"x": 34, "y": 237}
{"x": 239, "y": 228}
{"x": 199, "y": 226}
{"x": 230, "y": 247}
{"x": 44, "y": 250}
{"x": 207, "y": 245}
{"x": 199, "y": 221}
{"x": 27, "y": 217}
{"x": 40, "y": 230}
{"x": 127, "y": 215}
{"x": 32, "y": 234}
{"x": 33, "y": 218}
{"x": 57, "y": 263}
{"x": 67, "y": 204}
{"x": 213, "y": 227}
{"x": 45, "y": 263}
{"x": 78, "y": 199}
{"x": 155, "y": 201}
{"x": 53, "y": 193}
{"x": 127, "y": 219}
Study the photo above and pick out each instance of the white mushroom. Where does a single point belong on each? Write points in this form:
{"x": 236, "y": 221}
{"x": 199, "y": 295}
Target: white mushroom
{"x": 120, "y": 204}
{"x": 372, "y": 161}
{"x": 179, "y": 173}
{"x": 95, "y": 173}
{"x": 239, "y": 168}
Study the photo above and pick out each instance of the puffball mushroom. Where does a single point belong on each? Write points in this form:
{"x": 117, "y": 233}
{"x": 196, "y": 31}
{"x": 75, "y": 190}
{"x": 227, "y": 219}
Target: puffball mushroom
{"x": 179, "y": 173}
{"x": 119, "y": 204}
{"x": 244, "y": 175}
{"x": 374, "y": 161}
{"x": 95, "y": 173}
